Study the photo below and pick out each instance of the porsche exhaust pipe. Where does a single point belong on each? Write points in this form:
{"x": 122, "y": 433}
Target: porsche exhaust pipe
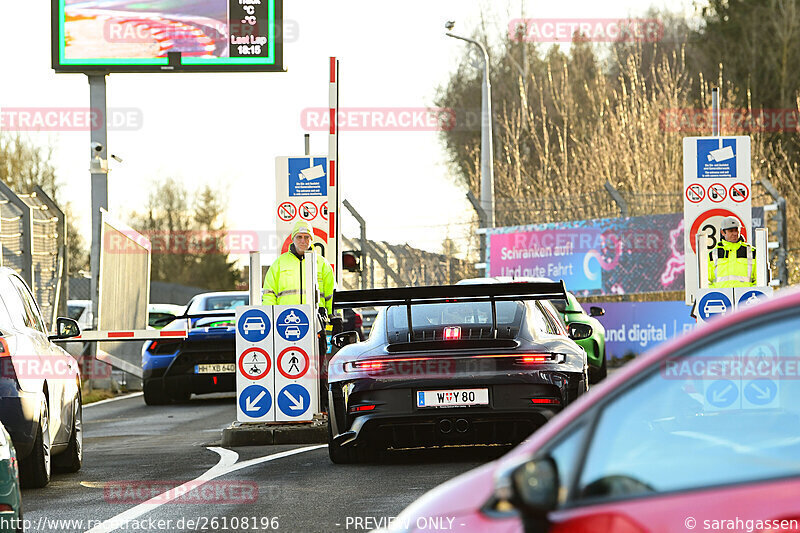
{"x": 445, "y": 425}
{"x": 462, "y": 425}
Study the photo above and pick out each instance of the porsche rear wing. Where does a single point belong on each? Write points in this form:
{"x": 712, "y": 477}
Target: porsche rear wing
{"x": 489, "y": 292}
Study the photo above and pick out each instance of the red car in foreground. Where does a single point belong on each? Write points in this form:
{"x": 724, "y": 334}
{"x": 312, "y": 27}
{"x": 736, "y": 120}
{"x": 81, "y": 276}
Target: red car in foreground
{"x": 700, "y": 434}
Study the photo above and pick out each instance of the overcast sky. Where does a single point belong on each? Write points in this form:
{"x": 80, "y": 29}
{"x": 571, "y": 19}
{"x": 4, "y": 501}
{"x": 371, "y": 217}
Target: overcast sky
{"x": 227, "y": 129}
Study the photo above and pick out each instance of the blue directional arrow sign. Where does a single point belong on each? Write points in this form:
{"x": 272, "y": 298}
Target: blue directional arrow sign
{"x": 253, "y": 325}
{"x": 760, "y": 391}
{"x": 292, "y": 324}
{"x": 714, "y": 303}
{"x": 294, "y": 400}
{"x": 255, "y": 401}
{"x": 722, "y": 393}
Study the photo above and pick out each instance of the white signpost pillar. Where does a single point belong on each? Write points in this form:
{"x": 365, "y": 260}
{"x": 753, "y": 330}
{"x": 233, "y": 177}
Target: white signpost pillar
{"x": 297, "y": 376}
{"x": 716, "y": 182}
{"x": 302, "y": 191}
{"x": 255, "y": 364}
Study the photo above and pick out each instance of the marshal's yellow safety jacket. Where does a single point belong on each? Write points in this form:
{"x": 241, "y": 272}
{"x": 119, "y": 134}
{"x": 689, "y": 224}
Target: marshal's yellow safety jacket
{"x": 283, "y": 284}
{"x": 732, "y": 264}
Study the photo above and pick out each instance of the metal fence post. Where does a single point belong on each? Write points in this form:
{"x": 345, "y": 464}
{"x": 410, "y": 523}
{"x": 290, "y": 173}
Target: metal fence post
{"x": 618, "y": 199}
{"x": 780, "y": 221}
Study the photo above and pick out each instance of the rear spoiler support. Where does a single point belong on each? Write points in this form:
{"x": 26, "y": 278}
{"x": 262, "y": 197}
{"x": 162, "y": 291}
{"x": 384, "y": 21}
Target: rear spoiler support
{"x": 490, "y": 292}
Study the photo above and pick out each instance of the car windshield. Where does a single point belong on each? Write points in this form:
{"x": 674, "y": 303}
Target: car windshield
{"x": 454, "y": 314}
{"x": 225, "y": 303}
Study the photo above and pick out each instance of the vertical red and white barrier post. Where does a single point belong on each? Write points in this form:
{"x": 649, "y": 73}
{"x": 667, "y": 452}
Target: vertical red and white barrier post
{"x": 334, "y": 249}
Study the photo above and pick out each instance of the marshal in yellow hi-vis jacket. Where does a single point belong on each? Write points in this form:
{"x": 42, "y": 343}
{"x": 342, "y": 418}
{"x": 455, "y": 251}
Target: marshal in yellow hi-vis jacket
{"x": 283, "y": 284}
{"x": 732, "y": 262}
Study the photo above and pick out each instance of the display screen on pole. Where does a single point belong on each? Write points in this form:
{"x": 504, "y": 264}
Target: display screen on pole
{"x": 167, "y": 35}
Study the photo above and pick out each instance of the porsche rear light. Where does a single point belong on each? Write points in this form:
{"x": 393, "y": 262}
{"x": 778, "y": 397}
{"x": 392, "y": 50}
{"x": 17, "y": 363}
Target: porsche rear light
{"x": 452, "y": 333}
{"x": 532, "y": 359}
{"x": 358, "y": 320}
{"x": 546, "y": 401}
{"x": 7, "y": 369}
{"x": 362, "y": 408}
{"x": 367, "y": 365}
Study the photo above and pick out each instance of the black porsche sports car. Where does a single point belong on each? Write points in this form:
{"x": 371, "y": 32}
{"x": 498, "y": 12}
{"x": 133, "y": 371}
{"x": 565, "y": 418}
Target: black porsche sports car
{"x": 466, "y": 364}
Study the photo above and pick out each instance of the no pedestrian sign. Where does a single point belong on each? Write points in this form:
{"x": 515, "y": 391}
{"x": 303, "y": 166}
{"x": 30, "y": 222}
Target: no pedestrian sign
{"x": 293, "y": 362}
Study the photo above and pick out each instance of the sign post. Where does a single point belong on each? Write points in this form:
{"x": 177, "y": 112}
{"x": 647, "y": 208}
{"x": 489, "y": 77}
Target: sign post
{"x": 301, "y": 192}
{"x": 716, "y": 182}
{"x": 255, "y": 364}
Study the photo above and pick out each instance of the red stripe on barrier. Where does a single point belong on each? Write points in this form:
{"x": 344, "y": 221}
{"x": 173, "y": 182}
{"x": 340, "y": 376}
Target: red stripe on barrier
{"x": 331, "y": 175}
{"x": 333, "y": 70}
{"x": 331, "y": 224}
{"x": 172, "y": 333}
{"x": 333, "y": 121}
{"x": 119, "y": 334}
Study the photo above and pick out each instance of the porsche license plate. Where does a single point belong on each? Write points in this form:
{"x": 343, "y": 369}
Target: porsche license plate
{"x": 452, "y": 397}
{"x": 215, "y": 368}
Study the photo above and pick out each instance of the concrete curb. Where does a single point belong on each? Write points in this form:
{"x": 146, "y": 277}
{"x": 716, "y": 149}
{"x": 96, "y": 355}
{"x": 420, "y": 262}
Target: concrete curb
{"x": 247, "y": 434}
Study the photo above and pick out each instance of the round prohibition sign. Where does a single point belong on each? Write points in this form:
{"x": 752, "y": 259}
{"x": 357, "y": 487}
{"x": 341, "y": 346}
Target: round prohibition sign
{"x": 257, "y": 366}
{"x": 717, "y": 192}
{"x": 323, "y": 210}
{"x": 739, "y": 192}
{"x": 703, "y": 218}
{"x": 293, "y": 362}
{"x": 308, "y": 210}
{"x": 695, "y": 193}
{"x": 287, "y": 211}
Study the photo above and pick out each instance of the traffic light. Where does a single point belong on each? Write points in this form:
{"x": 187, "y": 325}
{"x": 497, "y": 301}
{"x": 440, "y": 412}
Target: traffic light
{"x": 351, "y": 261}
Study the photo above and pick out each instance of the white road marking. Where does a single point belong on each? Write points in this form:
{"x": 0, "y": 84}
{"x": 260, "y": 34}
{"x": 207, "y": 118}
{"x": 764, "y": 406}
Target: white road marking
{"x": 131, "y": 395}
{"x": 227, "y": 464}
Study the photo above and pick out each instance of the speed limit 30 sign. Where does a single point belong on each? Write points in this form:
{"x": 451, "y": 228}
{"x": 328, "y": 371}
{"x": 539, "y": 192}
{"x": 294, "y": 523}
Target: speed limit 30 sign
{"x": 720, "y": 168}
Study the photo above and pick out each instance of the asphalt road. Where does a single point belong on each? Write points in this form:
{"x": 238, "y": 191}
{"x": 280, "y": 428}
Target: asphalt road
{"x": 133, "y": 452}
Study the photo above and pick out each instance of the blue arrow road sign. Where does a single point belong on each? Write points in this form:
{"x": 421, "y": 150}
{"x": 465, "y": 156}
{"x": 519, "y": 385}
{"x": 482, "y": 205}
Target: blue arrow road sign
{"x": 713, "y": 304}
{"x": 722, "y": 393}
{"x": 253, "y": 325}
{"x": 294, "y": 400}
{"x": 760, "y": 391}
{"x": 255, "y": 401}
{"x": 292, "y": 324}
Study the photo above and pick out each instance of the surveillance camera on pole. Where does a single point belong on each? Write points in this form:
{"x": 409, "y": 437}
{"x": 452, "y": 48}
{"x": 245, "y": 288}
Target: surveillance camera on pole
{"x": 97, "y": 165}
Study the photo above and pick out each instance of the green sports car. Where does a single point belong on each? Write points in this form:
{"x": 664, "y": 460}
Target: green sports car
{"x": 595, "y": 345}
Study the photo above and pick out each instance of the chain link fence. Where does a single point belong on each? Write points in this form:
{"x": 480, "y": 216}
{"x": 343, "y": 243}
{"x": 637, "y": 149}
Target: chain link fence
{"x": 390, "y": 265}
{"x": 33, "y": 239}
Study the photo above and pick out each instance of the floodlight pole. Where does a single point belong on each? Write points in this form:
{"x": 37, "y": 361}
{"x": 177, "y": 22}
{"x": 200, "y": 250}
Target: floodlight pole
{"x": 487, "y": 152}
